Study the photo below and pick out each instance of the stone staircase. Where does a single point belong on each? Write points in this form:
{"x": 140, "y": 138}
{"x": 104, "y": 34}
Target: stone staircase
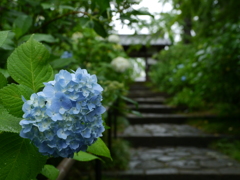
{"x": 165, "y": 148}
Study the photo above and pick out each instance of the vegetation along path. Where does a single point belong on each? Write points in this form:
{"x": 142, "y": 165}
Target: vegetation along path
{"x": 163, "y": 147}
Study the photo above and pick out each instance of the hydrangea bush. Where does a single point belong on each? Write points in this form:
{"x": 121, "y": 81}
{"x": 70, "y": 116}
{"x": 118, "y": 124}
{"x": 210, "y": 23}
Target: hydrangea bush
{"x": 66, "y": 116}
{"x": 60, "y": 118}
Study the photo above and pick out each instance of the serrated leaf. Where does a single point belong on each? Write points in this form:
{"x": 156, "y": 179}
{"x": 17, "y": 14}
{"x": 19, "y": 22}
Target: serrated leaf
{"x": 84, "y": 156}
{"x": 99, "y": 148}
{"x": 11, "y": 98}
{"x": 50, "y": 172}
{"x": 3, "y": 81}
{"x": 28, "y": 65}
{"x": 39, "y": 37}
{"x": 20, "y": 160}
{"x": 9, "y": 123}
{"x": 3, "y": 37}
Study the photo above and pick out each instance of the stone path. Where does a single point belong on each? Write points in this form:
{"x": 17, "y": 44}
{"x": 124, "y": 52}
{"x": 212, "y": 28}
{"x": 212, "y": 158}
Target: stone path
{"x": 165, "y": 148}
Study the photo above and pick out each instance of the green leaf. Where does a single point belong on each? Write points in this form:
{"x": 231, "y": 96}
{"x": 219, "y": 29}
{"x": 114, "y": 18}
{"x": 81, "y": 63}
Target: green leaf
{"x": 8, "y": 43}
{"x": 21, "y": 25}
{"x": 61, "y": 63}
{"x": 130, "y": 100}
{"x": 99, "y": 148}
{"x": 61, "y": 7}
{"x": 84, "y": 156}
{"x": 137, "y": 113}
{"x": 99, "y": 29}
{"x": 85, "y": 22}
{"x": 3, "y": 80}
{"x": 103, "y": 4}
{"x": 20, "y": 160}
{"x": 3, "y": 37}
{"x": 28, "y": 65}
{"x": 4, "y": 72}
{"x": 39, "y": 37}
{"x": 9, "y": 123}
{"x": 11, "y": 98}
{"x": 47, "y": 5}
{"x": 50, "y": 172}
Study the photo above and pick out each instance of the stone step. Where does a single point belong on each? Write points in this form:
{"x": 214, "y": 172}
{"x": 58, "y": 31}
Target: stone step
{"x": 178, "y": 163}
{"x": 152, "y": 118}
{"x": 153, "y": 135}
{"x": 154, "y": 108}
{"x": 139, "y": 88}
{"x": 150, "y": 100}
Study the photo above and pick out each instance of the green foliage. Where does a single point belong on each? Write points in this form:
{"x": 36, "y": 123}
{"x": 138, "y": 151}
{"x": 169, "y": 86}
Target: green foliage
{"x": 3, "y": 37}
{"x": 39, "y": 37}
{"x": 202, "y": 71}
{"x": 28, "y": 65}
{"x": 99, "y": 148}
{"x": 228, "y": 147}
{"x": 217, "y": 126}
{"x": 3, "y": 80}
{"x": 15, "y": 163}
{"x": 11, "y": 98}
{"x": 120, "y": 155}
{"x": 84, "y": 156}
{"x": 21, "y": 25}
{"x": 50, "y": 172}
{"x": 9, "y": 123}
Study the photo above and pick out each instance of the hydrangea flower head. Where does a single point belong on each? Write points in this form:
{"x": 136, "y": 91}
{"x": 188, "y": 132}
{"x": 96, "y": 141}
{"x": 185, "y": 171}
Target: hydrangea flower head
{"x": 183, "y": 78}
{"x": 66, "y": 54}
{"x": 120, "y": 64}
{"x": 65, "y": 117}
{"x": 113, "y": 38}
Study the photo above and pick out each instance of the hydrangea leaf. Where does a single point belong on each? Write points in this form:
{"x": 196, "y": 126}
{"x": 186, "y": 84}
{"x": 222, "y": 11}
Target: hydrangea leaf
{"x": 99, "y": 148}
{"x": 99, "y": 29}
{"x": 84, "y": 156}
{"x": 50, "y": 172}
{"x": 39, "y": 37}
{"x": 3, "y": 37}
{"x": 9, "y": 123}
{"x": 22, "y": 24}
{"x": 3, "y": 81}
{"x": 20, "y": 160}
{"x": 28, "y": 65}
{"x": 11, "y": 99}
{"x": 62, "y": 63}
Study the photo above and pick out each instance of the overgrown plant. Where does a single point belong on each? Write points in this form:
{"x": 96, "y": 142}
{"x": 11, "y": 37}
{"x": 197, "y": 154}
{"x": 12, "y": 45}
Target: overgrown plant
{"x": 61, "y": 120}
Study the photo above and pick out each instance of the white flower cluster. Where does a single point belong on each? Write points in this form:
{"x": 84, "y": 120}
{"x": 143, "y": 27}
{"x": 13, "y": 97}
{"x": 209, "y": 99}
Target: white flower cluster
{"x": 114, "y": 38}
{"x": 120, "y": 64}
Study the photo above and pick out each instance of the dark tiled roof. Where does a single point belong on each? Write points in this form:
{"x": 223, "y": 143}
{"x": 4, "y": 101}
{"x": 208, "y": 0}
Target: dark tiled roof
{"x": 142, "y": 39}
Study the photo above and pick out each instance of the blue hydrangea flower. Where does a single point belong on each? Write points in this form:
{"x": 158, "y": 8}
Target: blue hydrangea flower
{"x": 66, "y": 54}
{"x": 65, "y": 117}
{"x": 183, "y": 78}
